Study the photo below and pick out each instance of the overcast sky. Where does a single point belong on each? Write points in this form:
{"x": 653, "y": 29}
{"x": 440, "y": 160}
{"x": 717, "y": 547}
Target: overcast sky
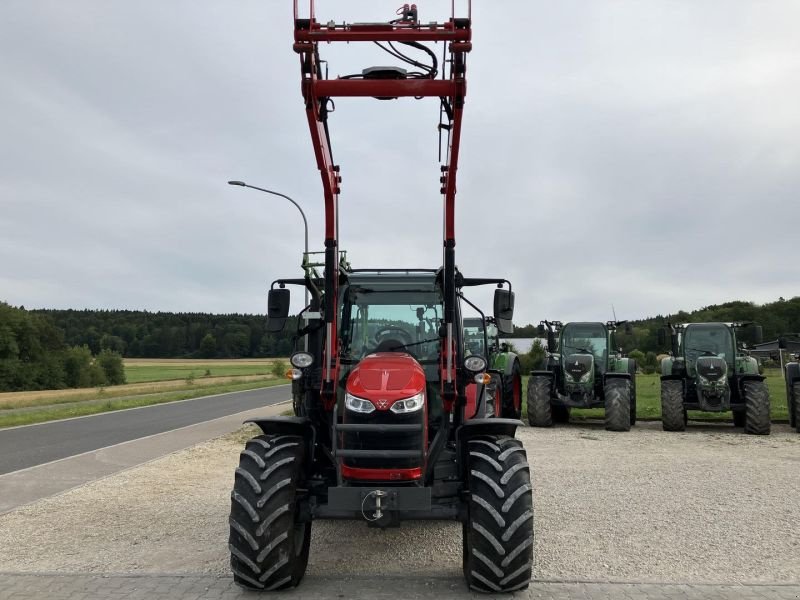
{"x": 640, "y": 154}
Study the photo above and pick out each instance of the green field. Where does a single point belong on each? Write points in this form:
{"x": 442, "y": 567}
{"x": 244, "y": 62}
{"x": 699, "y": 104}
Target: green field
{"x": 143, "y": 371}
{"x": 150, "y": 381}
{"x": 648, "y": 400}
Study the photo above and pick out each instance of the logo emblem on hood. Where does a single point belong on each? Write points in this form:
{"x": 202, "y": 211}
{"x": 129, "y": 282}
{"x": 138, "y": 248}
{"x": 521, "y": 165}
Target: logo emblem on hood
{"x": 382, "y": 404}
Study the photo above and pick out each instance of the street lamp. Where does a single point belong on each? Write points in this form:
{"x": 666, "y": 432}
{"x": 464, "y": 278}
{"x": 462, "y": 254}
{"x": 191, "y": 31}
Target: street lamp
{"x": 305, "y": 225}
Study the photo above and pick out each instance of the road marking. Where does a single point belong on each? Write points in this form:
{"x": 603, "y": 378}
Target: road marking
{"x": 139, "y": 438}
{"x": 2, "y": 429}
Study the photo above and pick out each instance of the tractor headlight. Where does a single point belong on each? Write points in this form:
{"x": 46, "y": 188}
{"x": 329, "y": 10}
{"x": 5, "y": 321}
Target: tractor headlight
{"x": 301, "y": 360}
{"x": 358, "y": 405}
{"x": 409, "y": 405}
{"x": 475, "y": 364}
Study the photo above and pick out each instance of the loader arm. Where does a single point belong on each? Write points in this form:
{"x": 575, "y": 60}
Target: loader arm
{"x": 318, "y": 91}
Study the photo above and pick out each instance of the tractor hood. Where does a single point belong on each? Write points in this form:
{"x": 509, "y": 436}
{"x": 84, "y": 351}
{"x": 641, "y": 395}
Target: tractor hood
{"x": 711, "y": 368}
{"x": 386, "y": 377}
{"x": 579, "y": 367}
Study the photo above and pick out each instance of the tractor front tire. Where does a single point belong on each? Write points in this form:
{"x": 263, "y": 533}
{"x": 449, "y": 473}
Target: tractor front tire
{"x": 796, "y": 402}
{"x": 673, "y": 417}
{"x": 540, "y": 411}
{"x": 268, "y": 543}
{"x": 498, "y": 534}
{"x": 618, "y": 404}
{"x": 512, "y": 393}
{"x": 632, "y": 371}
{"x": 756, "y": 400}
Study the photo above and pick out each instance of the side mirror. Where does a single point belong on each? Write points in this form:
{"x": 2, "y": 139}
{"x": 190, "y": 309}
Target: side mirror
{"x": 277, "y": 309}
{"x": 758, "y": 334}
{"x": 662, "y": 337}
{"x": 628, "y": 329}
{"x": 504, "y": 310}
{"x": 782, "y": 343}
{"x": 540, "y": 329}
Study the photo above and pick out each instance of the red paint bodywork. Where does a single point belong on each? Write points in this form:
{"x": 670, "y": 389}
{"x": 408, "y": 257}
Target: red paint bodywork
{"x": 383, "y": 379}
{"x": 389, "y": 376}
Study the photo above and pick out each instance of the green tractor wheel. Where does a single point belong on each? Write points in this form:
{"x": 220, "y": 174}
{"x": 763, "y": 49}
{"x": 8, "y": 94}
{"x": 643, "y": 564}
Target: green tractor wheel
{"x": 632, "y": 371}
{"x": 618, "y": 404}
{"x": 540, "y": 412}
{"x": 796, "y": 395}
{"x": 673, "y": 416}
{"x": 756, "y": 399}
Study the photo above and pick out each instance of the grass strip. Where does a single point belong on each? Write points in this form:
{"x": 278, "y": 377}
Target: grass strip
{"x": 92, "y": 406}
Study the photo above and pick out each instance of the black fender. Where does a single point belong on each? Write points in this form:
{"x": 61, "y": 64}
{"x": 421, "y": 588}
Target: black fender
{"x": 301, "y": 426}
{"x": 672, "y": 378}
{"x": 616, "y": 376}
{"x": 475, "y": 427}
{"x": 549, "y": 374}
{"x": 792, "y": 373}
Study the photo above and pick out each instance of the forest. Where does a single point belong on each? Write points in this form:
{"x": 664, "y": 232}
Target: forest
{"x": 50, "y": 349}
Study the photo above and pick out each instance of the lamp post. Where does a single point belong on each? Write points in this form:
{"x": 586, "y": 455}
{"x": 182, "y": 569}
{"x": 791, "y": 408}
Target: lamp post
{"x": 305, "y": 225}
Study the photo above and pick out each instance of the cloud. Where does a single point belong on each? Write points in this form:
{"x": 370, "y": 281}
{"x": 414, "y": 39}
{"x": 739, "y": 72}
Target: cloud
{"x": 640, "y": 155}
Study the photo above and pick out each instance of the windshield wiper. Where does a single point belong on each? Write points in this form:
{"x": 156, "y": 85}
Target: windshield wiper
{"x": 584, "y": 350}
{"x": 705, "y": 352}
{"x": 436, "y": 339}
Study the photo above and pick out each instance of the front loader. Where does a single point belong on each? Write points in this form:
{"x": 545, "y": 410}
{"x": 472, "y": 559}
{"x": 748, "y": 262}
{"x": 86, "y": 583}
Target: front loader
{"x": 582, "y": 369}
{"x": 394, "y": 419}
{"x": 708, "y": 371}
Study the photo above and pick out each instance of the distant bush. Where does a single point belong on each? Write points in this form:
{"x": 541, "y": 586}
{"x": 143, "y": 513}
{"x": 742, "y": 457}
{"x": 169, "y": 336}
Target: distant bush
{"x": 111, "y": 363}
{"x": 533, "y": 359}
{"x": 279, "y": 368}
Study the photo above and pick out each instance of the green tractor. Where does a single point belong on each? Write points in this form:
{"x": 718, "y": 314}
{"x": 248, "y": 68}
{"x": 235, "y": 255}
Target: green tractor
{"x": 583, "y": 369}
{"x": 707, "y": 370}
{"x": 792, "y": 376}
{"x": 504, "y": 391}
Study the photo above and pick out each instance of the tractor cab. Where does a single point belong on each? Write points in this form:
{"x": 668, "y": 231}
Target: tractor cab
{"x": 584, "y": 351}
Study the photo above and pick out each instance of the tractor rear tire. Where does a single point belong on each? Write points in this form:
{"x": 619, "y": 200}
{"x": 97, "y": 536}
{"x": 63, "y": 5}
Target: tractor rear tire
{"x": 498, "y": 534}
{"x": 618, "y": 404}
{"x": 540, "y": 411}
{"x": 739, "y": 418}
{"x": 796, "y": 402}
{"x": 673, "y": 416}
{"x": 512, "y": 393}
{"x": 756, "y": 399}
{"x": 632, "y": 371}
{"x": 269, "y": 545}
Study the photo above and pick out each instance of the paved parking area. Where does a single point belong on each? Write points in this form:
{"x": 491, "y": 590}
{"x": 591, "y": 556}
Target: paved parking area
{"x": 196, "y": 587}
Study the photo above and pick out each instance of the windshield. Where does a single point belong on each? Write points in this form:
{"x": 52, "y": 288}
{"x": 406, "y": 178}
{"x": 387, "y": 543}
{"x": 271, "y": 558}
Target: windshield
{"x": 391, "y": 320}
{"x": 707, "y": 340}
{"x": 473, "y": 337}
{"x": 585, "y": 337}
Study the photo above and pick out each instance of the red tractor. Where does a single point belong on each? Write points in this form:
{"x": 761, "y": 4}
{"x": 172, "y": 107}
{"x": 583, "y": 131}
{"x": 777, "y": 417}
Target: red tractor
{"x": 394, "y": 421}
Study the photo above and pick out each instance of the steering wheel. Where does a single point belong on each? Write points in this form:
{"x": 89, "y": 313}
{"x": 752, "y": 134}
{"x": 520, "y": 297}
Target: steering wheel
{"x": 404, "y": 335}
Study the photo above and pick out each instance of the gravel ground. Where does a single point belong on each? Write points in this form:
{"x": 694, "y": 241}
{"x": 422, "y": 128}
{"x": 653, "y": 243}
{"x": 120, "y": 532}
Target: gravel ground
{"x": 710, "y": 505}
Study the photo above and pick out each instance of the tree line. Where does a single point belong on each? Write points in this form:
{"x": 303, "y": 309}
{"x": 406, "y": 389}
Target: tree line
{"x": 50, "y": 349}
{"x": 34, "y": 356}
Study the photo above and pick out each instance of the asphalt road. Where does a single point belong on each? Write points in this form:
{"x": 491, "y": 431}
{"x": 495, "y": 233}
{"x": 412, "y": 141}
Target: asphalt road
{"x": 31, "y": 445}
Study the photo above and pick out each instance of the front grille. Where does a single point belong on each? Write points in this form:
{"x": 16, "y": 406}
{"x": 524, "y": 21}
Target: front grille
{"x": 711, "y": 368}
{"x": 385, "y": 440}
{"x": 577, "y": 365}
